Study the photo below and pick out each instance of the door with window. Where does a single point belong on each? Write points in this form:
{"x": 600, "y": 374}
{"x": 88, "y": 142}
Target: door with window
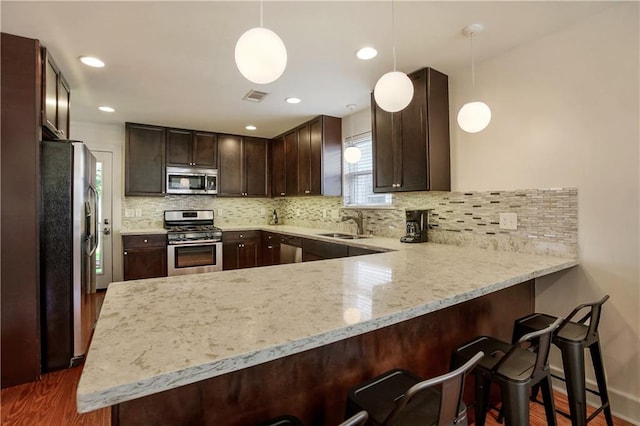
{"x": 104, "y": 252}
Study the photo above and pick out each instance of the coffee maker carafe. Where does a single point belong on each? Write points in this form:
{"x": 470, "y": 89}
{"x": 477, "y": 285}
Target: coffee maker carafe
{"x": 417, "y": 226}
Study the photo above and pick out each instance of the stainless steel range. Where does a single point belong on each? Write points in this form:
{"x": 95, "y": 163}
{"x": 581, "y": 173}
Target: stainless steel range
{"x": 194, "y": 243}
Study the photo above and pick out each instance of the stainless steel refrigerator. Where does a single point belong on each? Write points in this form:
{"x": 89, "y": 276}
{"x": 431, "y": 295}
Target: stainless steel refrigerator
{"x": 68, "y": 242}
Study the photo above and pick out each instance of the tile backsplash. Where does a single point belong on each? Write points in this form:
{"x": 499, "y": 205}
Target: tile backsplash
{"x": 547, "y": 218}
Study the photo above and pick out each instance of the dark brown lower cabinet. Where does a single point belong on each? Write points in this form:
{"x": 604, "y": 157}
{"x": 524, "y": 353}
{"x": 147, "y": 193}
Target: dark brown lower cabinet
{"x": 241, "y": 249}
{"x": 320, "y": 250}
{"x": 270, "y": 249}
{"x": 360, "y": 251}
{"x": 144, "y": 256}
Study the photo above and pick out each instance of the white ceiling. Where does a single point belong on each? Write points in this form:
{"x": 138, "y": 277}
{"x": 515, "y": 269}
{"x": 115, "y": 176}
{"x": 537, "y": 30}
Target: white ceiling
{"x": 171, "y": 63}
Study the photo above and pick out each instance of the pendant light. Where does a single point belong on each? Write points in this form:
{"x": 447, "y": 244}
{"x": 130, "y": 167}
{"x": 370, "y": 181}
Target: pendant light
{"x": 474, "y": 116}
{"x": 394, "y": 90}
{"x": 352, "y": 154}
{"x": 260, "y": 54}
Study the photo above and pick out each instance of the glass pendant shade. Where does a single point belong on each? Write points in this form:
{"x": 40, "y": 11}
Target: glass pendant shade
{"x": 261, "y": 56}
{"x": 352, "y": 154}
{"x": 474, "y": 117}
{"x": 393, "y": 91}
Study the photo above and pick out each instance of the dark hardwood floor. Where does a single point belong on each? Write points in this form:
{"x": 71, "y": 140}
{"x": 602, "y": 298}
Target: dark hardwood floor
{"x": 51, "y": 401}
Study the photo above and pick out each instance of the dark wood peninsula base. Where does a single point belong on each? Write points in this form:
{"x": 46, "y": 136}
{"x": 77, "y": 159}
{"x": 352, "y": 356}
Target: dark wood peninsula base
{"x": 313, "y": 385}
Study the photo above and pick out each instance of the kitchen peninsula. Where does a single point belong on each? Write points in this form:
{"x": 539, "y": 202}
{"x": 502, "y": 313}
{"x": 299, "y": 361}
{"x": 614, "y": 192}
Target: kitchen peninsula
{"x": 237, "y": 347}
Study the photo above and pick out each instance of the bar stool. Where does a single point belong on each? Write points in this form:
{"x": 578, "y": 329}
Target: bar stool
{"x": 572, "y": 338}
{"x": 515, "y": 369}
{"x": 401, "y": 398}
{"x": 287, "y": 420}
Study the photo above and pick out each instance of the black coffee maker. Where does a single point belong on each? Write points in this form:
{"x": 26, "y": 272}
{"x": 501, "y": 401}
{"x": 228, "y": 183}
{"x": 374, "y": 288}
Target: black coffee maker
{"x": 417, "y": 226}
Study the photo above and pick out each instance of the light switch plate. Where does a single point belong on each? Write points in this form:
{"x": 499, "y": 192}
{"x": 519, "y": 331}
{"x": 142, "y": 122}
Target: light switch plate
{"x": 509, "y": 221}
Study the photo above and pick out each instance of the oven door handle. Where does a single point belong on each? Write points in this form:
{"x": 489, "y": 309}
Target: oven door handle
{"x": 194, "y": 242}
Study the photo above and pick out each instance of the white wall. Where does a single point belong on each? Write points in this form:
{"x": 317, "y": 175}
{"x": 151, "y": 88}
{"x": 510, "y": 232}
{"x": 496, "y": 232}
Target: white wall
{"x": 104, "y": 137}
{"x": 565, "y": 114}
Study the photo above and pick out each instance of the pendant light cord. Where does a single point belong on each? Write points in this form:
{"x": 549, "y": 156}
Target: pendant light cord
{"x": 393, "y": 32}
{"x": 473, "y": 67}
{"x": 351, "y": 124}
{"x": 261, "y": 26}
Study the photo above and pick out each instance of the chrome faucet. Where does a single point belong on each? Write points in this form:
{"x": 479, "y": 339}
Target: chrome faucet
{"x": 358, "y": 220}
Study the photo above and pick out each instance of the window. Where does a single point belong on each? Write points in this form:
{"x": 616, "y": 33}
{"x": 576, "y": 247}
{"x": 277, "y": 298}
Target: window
{"x": 358, "y": 177}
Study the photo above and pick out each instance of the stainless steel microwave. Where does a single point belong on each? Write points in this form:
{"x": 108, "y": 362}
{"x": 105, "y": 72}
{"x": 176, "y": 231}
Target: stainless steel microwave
{"x": 181, "y": 180}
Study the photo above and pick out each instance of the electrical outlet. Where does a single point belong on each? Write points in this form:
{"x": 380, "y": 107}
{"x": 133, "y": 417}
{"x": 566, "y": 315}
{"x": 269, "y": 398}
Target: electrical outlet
{"x": 297, "y": 212}
{"x": 335, "y": 214}
{"x": 220, "y": 213}
{"x": 138, "y": 212}
{"x": 129, "y": 212}
{"x": 509, "y": 221}
{"x": 324, "y": 213}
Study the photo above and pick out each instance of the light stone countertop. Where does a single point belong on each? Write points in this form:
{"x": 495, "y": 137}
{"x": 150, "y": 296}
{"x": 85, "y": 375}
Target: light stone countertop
{"x": 161, "y": 333}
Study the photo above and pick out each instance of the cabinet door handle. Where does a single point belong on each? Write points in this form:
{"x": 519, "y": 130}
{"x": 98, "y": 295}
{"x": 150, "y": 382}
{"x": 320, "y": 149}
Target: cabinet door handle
{"x": 307, "y": 192}
{"x": 282, "y": 193}
{"x": 241, "y": 235}
{"x": 125, "y": 253}
{"x": 146, "y": 241}
{"x": 269, "y": 247}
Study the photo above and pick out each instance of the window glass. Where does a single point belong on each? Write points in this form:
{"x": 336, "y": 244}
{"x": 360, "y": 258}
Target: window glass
{"x": 358, "y": 177}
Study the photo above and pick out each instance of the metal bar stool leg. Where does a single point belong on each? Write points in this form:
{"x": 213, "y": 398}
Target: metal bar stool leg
{"x": 549, "y": 404}
{"x": 573, "y": 364}
{"x": 598, "y": 368}
{"x": 483, "y": 387}
{"x": 515, "y": 404}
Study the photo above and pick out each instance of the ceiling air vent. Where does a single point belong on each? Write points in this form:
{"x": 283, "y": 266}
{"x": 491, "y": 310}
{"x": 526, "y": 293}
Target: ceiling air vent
{"x": 254, "y": 96}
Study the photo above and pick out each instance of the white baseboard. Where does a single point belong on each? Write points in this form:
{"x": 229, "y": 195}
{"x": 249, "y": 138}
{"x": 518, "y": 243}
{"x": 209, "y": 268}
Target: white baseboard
{"x": 623, "y": 405}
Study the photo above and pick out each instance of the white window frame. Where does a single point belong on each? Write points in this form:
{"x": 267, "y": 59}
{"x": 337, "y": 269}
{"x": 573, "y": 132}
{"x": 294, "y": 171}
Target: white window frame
{"x": 348, "y": 176}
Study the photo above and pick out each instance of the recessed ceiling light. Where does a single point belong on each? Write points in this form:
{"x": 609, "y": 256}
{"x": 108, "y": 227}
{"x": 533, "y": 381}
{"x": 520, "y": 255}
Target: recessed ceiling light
{"x": 106, "y": 109}
{"x": 250, "y": 127}
{"x": 367, "y": 53}
{"x": 91, "y": 61}
{"x": 293, "y": 100}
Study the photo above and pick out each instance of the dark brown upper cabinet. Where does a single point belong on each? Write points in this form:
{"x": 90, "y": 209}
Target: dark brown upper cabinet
{"x": 56, "y": 99}
{"x": 243, "y": 166}
{"x": 308, "y": 159}
{"x": 411, "y": 147}
{"x": 144, "y": 159}
{"x": 191, "y": 148}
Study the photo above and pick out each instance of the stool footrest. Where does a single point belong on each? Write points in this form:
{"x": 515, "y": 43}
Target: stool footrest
{"x": 592, "y": 391}
{"x": 568, "y": 416}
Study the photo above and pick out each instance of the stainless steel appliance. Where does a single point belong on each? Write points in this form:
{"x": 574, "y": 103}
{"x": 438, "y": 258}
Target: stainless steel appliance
{"x": 68, "y": 242}
{"x": 417, "y": 226}
{"x": 194, "y": 244}
{"x": 182, "y": 180}
{"x": 290, "y": 249}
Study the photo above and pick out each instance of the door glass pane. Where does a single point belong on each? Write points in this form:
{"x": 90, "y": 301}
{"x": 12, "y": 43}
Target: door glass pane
{"x": 99, "y": 270}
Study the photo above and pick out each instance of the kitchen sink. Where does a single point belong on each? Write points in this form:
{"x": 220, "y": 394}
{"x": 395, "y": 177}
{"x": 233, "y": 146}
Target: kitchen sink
{"x": 343, "y": 236}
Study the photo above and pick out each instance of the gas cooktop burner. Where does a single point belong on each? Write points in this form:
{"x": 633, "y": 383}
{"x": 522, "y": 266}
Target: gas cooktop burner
{"x": 191, "y": 225}
{"x": 193, "y": 228}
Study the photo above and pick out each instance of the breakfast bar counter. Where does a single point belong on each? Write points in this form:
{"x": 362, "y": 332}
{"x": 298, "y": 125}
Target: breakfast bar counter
{"x": 247, "y": 344}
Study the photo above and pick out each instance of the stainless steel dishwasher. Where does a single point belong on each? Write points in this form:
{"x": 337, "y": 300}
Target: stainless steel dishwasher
{"x": 290, "y": 249}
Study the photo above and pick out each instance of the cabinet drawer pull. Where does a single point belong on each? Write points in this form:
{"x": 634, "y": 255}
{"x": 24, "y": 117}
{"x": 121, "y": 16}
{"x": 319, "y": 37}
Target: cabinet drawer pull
{"x": 282, "y": 193}
{"x": 241, "y": 235}
{"x": 307, "y": 192}
{"x": 125, "y": 253}
{"x": 146, "y": 241}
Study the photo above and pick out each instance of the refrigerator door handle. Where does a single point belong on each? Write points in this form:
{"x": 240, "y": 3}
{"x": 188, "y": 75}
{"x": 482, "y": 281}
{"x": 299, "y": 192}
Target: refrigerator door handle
{"x": 92, "y": 214}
